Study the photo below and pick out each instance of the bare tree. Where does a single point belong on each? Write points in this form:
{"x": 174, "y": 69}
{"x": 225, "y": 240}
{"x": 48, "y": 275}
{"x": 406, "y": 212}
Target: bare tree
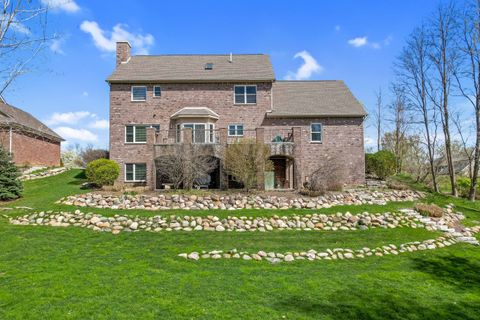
{"x": 246, "y": 159}
{"x": 186, "y": 165}
{"x": 468, "y": 79}
{"x": 467, "y": 152}
{"x": 443, "y": 54}
{"x": 378, "y": 116}
{"x": 412, "y": 69}
{"x": 23, "y": 34}
{"x": 400, "y": 120}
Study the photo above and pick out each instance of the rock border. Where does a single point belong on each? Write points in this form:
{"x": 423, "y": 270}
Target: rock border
{"x": 43, "y": 174}
{"x": 238, "y": 201}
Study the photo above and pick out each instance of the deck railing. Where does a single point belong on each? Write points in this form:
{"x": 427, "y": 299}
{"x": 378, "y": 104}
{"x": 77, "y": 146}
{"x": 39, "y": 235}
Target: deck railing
{"x": 221, "y": 136}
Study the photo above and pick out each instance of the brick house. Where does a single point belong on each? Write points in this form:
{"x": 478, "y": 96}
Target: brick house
{"x": 157, "y": 102}
{"x": 30, "y": 142}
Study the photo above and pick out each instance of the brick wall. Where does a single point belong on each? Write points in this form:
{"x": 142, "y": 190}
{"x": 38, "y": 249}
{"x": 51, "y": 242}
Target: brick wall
{"x": 32, "y": 150}
{"x": 342, "y": 137}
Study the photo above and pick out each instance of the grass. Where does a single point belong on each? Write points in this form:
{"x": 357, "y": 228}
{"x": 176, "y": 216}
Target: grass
{"x": 75, "y": 273}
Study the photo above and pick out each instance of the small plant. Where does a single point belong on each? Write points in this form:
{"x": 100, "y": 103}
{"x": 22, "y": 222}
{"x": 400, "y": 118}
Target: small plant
{"x": 396, "y": 185}
{"x": 429, "y": 210}
{"x": 130, "y": 193}
{"x": 463, "y": 186}
{"x": 10, "y": 186}
{"x": 311, "y": 193}
{"x": 102, "y": 172}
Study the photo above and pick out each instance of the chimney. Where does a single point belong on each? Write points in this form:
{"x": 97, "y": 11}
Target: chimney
{"x": 123, "y": 52}
{"x": 231, "y": 58}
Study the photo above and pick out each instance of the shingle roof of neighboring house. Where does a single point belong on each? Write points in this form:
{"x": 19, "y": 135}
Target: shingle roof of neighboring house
{"x": 188, "y": 68}
{"x": 12, "y": 116}
{"x": 314, "y": 98}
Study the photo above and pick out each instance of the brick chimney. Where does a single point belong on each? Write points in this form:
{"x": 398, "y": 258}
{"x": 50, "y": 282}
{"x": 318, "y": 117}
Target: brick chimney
{"x": 123, "y": 52}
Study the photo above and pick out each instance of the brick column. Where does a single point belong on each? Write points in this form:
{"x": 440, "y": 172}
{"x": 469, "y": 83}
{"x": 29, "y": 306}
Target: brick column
{"x": 151, "y": 137}
{"x": 187, "y": 135}
{"x": 260, "y": 138}
{"x": 298, "y": 155}
{"x": 222, "y": 136}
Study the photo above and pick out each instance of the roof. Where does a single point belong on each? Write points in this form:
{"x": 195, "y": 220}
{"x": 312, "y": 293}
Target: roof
{"x": 326, "y": 98}
{"x": 12, "y": 116}
{"x": 195, "y": 112}
{"x": 191, "y": 68}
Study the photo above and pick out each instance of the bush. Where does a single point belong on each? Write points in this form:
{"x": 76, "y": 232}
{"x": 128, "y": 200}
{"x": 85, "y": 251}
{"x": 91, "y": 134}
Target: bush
{"x": 369, "y": 163}
{"x": 429, "y": 210}
{"x": 102, "y": 172}
{"x": 463, "y": 186}
{"x": 396, "y": 185}
{"x": 10, "y": 186}
{"x": 382, "y": 164}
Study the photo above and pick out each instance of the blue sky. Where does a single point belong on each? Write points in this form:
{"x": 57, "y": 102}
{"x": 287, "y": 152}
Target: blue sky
{"x": 356, "y": 41}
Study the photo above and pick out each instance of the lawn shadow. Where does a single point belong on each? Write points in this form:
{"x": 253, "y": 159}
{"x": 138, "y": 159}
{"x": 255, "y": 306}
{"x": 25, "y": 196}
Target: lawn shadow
{"x": 79, "y": 178}
{"x": 376, "y": 303}
{"x": 451, "y": 269}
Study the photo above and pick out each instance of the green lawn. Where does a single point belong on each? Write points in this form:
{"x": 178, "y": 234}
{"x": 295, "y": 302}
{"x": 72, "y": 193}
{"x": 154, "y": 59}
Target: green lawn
{"x": 75, "y": 273}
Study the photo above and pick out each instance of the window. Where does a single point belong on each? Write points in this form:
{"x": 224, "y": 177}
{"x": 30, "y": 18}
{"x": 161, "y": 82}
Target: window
{"x": 316, "y": 132}
{"x": 139, "y": 93}
{"x": 157, "y": 91}
{"x": 201, "y": 132}
{"x": 138, "y": 133}
{"x": 135, "y": 172}
{"x": 208, "y": 66}
{"x": 235, "y": 130}
{"x": 245, "y": 94}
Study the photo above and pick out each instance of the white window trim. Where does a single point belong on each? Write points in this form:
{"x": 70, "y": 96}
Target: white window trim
{"x": 131, "y": 93}
{"x": 245, "y": 94}
{"x": 134, "y": 131}
{"x": 134, "y": 171}
{"x": 153, "y": 94}
{"x": 321, "y": 132}
{"x": 236, "y": 135}
{"x": 207, "y": 131}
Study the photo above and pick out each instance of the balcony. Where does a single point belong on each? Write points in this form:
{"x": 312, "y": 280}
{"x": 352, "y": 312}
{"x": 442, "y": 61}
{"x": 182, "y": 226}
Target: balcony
{"x": 281, "y": 141}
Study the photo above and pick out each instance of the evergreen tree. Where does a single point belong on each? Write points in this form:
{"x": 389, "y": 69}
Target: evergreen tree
{"x": 10, "y": 186}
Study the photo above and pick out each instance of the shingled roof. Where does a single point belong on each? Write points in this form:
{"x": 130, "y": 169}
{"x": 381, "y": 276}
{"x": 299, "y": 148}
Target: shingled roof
{"x": 191, "y": 68}
{"x": 314, "y": 99}
{"x": 11, "y": 116}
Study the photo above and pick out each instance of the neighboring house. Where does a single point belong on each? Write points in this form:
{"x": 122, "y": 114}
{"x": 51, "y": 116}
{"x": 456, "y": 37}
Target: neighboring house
{"x": 157, "y": 102}
{"x": 462, "y": 167}
{"x": 30, "y": 142}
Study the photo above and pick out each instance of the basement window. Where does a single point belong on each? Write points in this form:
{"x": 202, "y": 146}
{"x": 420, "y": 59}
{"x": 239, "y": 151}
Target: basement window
{"x": 135, "y": 172}
{"x": 208, "y": 66}
{"x": 157, "y": 91}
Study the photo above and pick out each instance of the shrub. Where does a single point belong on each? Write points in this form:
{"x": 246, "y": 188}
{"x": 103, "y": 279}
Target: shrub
{"x": 10, "y": 186}
{"x": 329, "y": 176}
{"x": 311, "y": 193}
{"x": 382, "y": 163}
{"x": 430, "y": 210}
{"x": 70, "y": 158}
{"x": 102, "y": 172}
{"x": 463, "y": 186}
{"x": 369, "y": 163}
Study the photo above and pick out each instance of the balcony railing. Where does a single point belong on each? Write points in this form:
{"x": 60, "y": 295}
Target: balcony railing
{"x": 221, "y": 136}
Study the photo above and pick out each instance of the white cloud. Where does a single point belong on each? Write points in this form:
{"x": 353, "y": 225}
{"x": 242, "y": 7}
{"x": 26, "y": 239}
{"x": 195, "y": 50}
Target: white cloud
{"x": 369, "y": 142}
{"x": 67, "y": 117}
{"x": 69, "y": 6}
{"x": 358, "y": 42}
{"x": 106, "y": 40}
{"x": 376, "y": 45}
{"x": 99, "y": 124}
{"x": 56, "y": 46}
{"x": 307, "y": 69}
{"x": 76, "y": 134}
{"x": 16, "y": 26}
{"x": 388, "y": 40}
{"x": 337, "y": 28}
{"x": 85, "y": 93}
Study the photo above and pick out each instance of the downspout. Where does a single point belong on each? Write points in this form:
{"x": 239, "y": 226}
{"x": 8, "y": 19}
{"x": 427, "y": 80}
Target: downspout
{"x": 10, "y": 140}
